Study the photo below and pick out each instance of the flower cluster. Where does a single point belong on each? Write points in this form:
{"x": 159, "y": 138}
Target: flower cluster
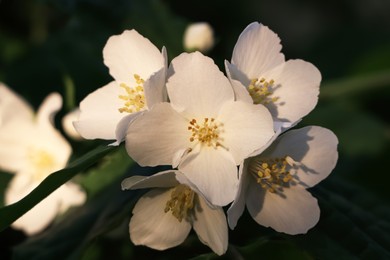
{"x": 224, "y": 137}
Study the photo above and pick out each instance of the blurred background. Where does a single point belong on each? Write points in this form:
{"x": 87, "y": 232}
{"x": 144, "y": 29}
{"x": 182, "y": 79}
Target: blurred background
{"x": 56, "y": 45}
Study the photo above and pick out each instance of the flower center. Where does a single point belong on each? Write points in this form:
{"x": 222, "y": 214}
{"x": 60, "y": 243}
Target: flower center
{"x": 42, "y": 162}
{"x": 134, "y": 100}
{"x": 181, "y": 202}
{"x": 272, "y": 174}
{"x": 261, "y": 91}
{"x": 207, "y": 133}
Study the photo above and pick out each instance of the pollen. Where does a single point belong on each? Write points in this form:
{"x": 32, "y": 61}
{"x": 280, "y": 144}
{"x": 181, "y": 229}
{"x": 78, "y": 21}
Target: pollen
{"x": 207, "y": 133}
{"x": 181, "y": 202}
{"x": 42, "y": 162}
{"x": 272, "y": 174}
{"x": 134, "y": 99}
{"x": 261, "y": 91}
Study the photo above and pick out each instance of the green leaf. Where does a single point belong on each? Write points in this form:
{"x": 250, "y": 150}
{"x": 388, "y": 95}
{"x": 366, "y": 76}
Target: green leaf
{"x": 12, "y": 212}
{"x": 110, "y": 168}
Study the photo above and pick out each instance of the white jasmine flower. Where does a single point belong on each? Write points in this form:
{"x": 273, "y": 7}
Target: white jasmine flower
{"x": 163, "y": 217}
{"x": 198, "y": 36}
{"x": 67, "y": 124}
{"x": 139, "y": 72}
{"x": 260, "y": 75}
{"x": 273, "y": 184}
{"x": 203, "y": 130}
{"x": 31, "y": 148}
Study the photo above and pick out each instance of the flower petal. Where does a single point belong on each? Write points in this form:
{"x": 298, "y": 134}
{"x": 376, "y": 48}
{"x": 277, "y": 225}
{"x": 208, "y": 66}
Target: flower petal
{"x": 210, "y": 226}
{"x": 165, "y": 131}
{"x": 130, "y": 53}
{"x": 152, "y": 227}
{"x": 67, "y": 124}
{"x": 196, "y": 86}
{"x": 293, "y": 212}
{"x": 13, "y": 106}
{"x": 296, "y": 86}
{"x": 48, "y": 109}
{"x": 70, "y": 195}
{"x": 14, "y": 142}
{"x": 237, "y": 208}
{"x": 123, "y": 124}
{"x": 247, "y": 127}
{"x": 214, "y": 172}
{"x": 100, "y": 113}
{"x": 164, "y": 179}
{"x": 238, "y": 81}
{"x": 154, "y": 87}
{"x": 257, "y": 50}
{"x": 313, "y": 148}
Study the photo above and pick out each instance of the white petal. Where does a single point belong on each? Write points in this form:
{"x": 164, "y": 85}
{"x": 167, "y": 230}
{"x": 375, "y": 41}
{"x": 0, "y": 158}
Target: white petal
{"x": 238, "y": 206}
{"x": 130, "y": 53}
{"x": 210, "y": 226}
{"x": 214, "y": 172}
{"x": 100, "y": 113}
{"x": 152, "y": 227}
{"x": 314, "y": 149}
{"x": 70, "y": 195}
{"x": 247, "y": 127}
{"x": 155, "y": 137}
{"x": 67, "y": 124}
{"x": 40, "y": 216}
{"x": 164, "y": 179}
{"x": 123, "y": 124}
{"x": 14, "y": 141}
{"x": 238, "y": 81}
{"x": 154, "y": 87}
{"x": 293, "y": 212}
{"x": 257, "y": 50}
{"x": 48, "y": 109}
{"x": 12, "y": 106}
{"x": 196, "y": 86}
{"x": 296, "y": 86}
{"x": 22, "y": 139}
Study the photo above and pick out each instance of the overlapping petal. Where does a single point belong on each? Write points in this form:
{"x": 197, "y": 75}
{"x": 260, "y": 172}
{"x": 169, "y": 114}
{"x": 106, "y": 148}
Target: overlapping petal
{"x": 314, "y": 149}
{"x": 214, "y": 172}
{"x": 154, "y": 138}
{"x": 257, "y": 50}
{"x": 210, "y": 226}
{"x": 196, "y": 87}
{"x": 294, "y": 211}
{"x": 158, "y": 230}
{"x": 297, "y": 88}
{"x": 246, "y": 128}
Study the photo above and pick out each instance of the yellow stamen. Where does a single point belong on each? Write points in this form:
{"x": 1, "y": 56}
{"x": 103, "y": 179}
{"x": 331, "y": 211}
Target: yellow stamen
{"x": 181, "y": 202}
{"x": 42, "y": 162}
{"x": 207, "y": 133}
{"x": 261, "y": 91}
{"x": 272, "y": 174}
{"x": 134, "y": 98}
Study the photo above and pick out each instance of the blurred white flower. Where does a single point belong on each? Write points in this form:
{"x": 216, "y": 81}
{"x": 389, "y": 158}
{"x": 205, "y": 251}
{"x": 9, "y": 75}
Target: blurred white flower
{"x": 203, "y": 131}
{"x": 31, "y": 148}
{"x": 139, "y": 72}
{"x": 260, "y": 75}
{"x": 273, "y": 184}
{"x": 163, "y": 217}
{"x": 198, "y": 36}
{"x": 67, "y": 124}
